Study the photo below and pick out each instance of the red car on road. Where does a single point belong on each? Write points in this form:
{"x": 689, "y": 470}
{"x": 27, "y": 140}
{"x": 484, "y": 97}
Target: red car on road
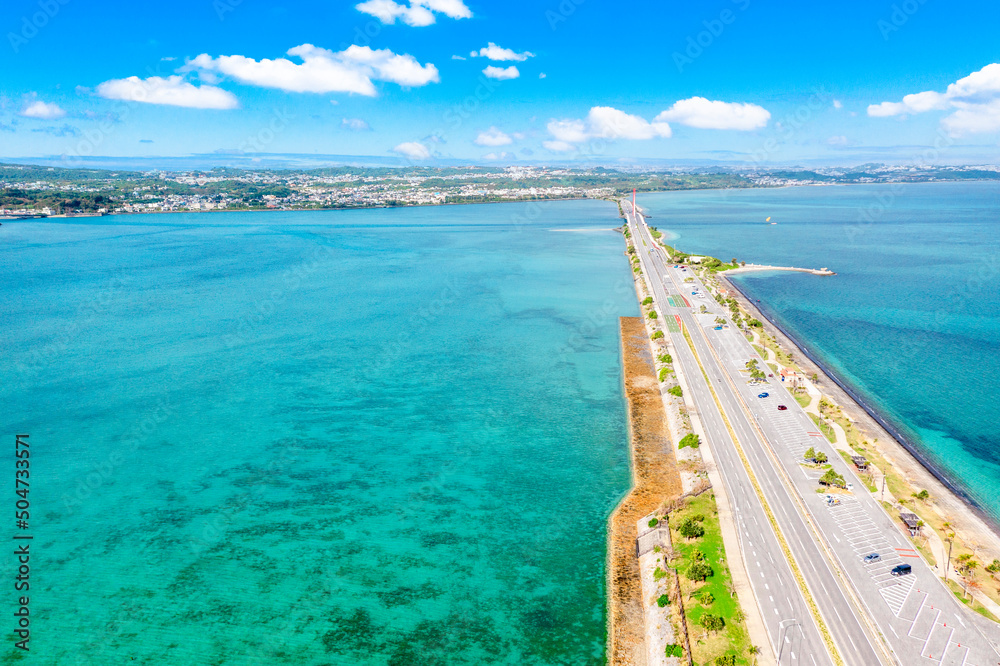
{"x": 782, "y": 408}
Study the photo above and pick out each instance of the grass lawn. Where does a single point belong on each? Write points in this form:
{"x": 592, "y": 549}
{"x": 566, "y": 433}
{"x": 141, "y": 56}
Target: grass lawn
{"x": 824, "y": 427}
{"x": 802, "y": 398}
{"x": 733, "y": 638}
{"x": 971, "y": 603}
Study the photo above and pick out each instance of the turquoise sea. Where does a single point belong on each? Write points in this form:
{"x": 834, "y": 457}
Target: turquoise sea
{"x": 367, "y": 437}
{"x": 911, "y": 321}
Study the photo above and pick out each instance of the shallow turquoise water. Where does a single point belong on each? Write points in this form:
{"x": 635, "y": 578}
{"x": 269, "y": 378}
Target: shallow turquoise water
{"x": 912, "y": 318}
{"x": 373, "y": 437}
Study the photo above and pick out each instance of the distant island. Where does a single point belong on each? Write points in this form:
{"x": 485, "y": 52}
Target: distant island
{"x": 28, "y": 190}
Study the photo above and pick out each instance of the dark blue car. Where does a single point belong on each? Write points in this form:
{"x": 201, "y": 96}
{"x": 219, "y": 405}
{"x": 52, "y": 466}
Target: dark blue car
{"x": 763, "y": 395}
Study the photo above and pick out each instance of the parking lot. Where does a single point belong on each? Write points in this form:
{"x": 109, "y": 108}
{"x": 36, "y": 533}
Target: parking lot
{"x": 923, "y": 623}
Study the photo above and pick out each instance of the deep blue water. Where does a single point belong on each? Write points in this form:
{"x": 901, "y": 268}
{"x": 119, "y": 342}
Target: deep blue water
{"x": 912, "y": 318}
{"x": 371, "y": 437}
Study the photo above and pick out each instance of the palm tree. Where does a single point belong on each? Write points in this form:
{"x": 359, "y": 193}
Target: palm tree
{"x": 754, "y": 651}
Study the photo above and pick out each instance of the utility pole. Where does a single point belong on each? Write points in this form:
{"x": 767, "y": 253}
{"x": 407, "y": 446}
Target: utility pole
{"x": 882, "y": 496}
{"x": 947, "y": 567}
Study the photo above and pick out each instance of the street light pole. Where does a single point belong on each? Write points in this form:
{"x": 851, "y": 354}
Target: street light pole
{"x": 882, "y": 496}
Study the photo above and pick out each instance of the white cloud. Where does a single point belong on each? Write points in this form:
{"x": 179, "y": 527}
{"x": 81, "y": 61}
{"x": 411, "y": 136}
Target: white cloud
{"x": 541, "y": 75}
{"x": 417, "y": 13}
{"x": 355, "y": 124}
{"x": 352, "y": 70}
{"x": 498, "y": 156}
{"x": 502, "y": 73}
{"x": 974, "y": 100}
{"x": 707, "y": 114}
{"x": 837, "y": 104}
{"x": 837, "y": 140}
{"x": 169, "y": 91}
{"x": 458, "y": 57}
{"x": 494, "y": 52}
{"x": 974, "y": 119}
{"x": 412, "y": 149}
{"x": 603, "y": 122}
{"x": 558, "y": 146}
{"x": 42, "y": 110}
{"x": 493, "y": 137}
{"x": 915, "y": 103}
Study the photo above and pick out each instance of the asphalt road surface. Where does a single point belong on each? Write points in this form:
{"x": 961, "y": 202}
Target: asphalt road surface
{"x": 917, "y": 618}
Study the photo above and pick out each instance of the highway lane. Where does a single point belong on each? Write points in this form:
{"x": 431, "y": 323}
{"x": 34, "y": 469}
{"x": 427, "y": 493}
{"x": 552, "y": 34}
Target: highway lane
{"x": 791, "y": 628}
{"x": 917, "y": 616}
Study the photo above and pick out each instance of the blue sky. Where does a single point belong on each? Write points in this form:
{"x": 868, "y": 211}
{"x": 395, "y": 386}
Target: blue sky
{"x": 731, "y": 80}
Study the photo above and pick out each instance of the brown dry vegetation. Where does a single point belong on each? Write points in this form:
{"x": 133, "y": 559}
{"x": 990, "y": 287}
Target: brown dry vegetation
{"x": 655, "y": 478}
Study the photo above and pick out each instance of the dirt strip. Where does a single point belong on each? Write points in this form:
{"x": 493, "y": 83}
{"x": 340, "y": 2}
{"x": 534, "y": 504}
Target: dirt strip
{"x": 655, "y": 477}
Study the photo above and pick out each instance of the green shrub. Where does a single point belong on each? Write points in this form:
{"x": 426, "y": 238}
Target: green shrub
{"x": 712, "y": 622}
{"x": 659, "y": 574}
{"x": 698, "y": 517}
{"x": 691, "y": 440}
{"x": 699, "y": 571}
{"x": 675, "y": 650}
{"x": 664, "y": 373}
{"x": 922, "y": 495}
{"x": 726, "y": 660}
{"x": 653, "y": 315}
{"x": 821, "y": 458}
{"x": 675, "y": 390}
{"x": 831, "y": 478}
{"x": 994, "y": 567}
{"x": 810, "y": 454}
{"x": 663, "y": 600}
{"x": 690, "y": 529}
{"x": 647, "y": 300}
{"x": 666, "y": 358}
{"x": 708, "y": 599}
{"x": 656, "y": 336}
{"x": 653, "y": 522}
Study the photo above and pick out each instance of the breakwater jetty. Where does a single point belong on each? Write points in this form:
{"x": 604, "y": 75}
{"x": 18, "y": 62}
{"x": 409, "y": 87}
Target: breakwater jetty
{"x": 749, "y": 268}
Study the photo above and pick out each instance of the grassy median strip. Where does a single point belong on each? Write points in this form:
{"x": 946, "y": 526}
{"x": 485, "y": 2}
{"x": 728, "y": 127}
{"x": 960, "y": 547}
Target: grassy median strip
{"x": 799, "y": 578}
{"x": 716, "y": 623}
